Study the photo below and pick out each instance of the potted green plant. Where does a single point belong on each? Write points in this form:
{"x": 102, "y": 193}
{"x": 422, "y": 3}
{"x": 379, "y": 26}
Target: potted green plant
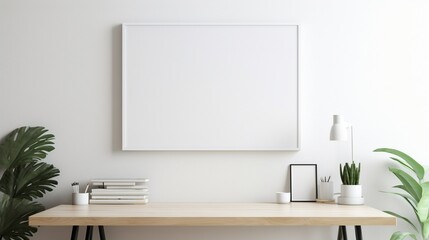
{"x": 351, "y": 190}
{"x": 25, "y": 178}
{"x": 414, "y": 190}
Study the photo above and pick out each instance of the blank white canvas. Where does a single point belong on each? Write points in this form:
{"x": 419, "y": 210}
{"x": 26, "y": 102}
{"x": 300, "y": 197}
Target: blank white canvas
{"x": 210, "y": 87}
{"x": 303, "y": 182}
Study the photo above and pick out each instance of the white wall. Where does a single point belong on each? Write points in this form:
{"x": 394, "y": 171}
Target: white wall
{"x": 60, "y": 67}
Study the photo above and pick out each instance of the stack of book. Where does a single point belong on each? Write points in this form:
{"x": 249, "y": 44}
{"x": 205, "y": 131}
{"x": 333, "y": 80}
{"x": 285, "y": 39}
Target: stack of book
{"x": 119, "y": 191}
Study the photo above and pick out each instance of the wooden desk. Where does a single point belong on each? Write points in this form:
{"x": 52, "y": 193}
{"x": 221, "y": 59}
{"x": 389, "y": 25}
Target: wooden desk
{"x": 212, "y": 214}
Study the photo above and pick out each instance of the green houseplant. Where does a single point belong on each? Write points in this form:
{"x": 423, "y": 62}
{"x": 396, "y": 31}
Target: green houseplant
{"x": 350, "y": 174}
{"x": 351, "y": 191}
{"x": 413, "y": 190}
{"x": 25, "y": 178}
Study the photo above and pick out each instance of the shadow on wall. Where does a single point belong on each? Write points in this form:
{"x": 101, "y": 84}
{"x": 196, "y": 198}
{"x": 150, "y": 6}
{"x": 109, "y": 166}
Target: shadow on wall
{"x": 116, "y": 88}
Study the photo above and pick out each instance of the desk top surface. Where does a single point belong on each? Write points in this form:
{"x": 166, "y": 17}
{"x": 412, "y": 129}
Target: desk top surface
{"x": 212, "y": 214}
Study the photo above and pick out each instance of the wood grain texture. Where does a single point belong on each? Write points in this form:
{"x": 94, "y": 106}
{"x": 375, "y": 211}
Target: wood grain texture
{"x": 212, "y": 214}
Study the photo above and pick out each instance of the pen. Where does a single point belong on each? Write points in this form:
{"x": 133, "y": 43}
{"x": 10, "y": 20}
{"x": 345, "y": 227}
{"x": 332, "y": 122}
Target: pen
{"x": 75, "y": 187}
{"x": 86, "y": 189}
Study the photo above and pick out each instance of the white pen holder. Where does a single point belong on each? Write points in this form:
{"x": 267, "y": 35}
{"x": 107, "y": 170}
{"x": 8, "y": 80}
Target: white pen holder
{"x": 326, "y": 191}
{"x": 80, "y": 198}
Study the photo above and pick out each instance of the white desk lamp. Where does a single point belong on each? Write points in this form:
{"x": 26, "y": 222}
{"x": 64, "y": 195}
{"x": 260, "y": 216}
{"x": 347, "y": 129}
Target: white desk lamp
{"x": 339, "y": 131}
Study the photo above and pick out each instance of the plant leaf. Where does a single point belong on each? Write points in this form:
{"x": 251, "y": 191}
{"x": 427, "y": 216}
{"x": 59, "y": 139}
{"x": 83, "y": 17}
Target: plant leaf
{"x": 29, "y": 180}
{"x": 358, "y": 175}
{"x": 403, "y": 218}
{"x": 415, "y": 166}
{"x": 14, "y": 215}
{"x": 402, "y": 163}
{"x": 24, "y": 178}
{"x": 425, "y": 229}
{"x": 423, "y": 205}
{"x": 402, "y": 187}
{"x": 410, "y": 185}
{"x": 25, "y": 144}
{"x": 410, "y": 200}
{"x": 402, "y": 235}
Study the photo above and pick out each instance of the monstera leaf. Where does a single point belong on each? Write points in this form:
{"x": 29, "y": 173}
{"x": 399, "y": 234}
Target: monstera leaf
{"x": 25, "y": 144}
{"x": 14, "y": 215}
{"x": 24, "y": 179}
{"x": 29, "y": 180}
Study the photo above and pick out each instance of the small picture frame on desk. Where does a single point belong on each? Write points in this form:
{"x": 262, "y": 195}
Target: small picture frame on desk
{"x": 303, "y": 182}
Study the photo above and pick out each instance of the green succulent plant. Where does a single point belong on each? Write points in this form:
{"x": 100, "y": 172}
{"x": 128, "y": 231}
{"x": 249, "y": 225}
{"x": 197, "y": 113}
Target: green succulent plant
{"x": 350, "y": 174}
{"x": 25, "y": 178}
{"x": 414, "y": 190}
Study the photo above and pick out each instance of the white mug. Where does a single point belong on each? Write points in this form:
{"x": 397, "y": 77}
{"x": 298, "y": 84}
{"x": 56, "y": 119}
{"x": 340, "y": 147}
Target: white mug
{"x": 283, "y": 197}
{"x": 80, "y": 198}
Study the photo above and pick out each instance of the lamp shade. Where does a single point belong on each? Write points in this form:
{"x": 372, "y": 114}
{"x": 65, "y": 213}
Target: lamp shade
{"x": 339, "y": 129}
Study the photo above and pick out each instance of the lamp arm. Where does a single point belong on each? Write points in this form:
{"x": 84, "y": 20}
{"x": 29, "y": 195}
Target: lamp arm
{"x": 351, "y": 136}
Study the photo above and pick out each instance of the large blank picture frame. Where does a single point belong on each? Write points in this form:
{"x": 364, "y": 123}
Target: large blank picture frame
{"x": 210, "y": 87}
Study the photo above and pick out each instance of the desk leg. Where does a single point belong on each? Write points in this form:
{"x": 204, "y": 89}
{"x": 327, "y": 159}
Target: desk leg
{"x": 342, "y": 233}
{"x": 358, "y": 232}
{"x": 89, "y": 230}
{"x": 101, "y": 231}
{"x": 75, "y": 232}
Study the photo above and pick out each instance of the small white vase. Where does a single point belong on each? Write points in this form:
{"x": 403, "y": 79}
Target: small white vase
{"x": 351, "y": 195}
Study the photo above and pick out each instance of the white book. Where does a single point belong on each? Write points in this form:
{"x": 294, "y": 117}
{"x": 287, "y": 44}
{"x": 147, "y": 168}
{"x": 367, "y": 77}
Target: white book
{"x": 113, "y": 183}
{"x": 121, "y": 180}
{"x": 134, "y": 201}
{"x": 125, "y": 187}
{"x": 119, "y": 193}
{"x": 106, "y": 190}
{"x": 119, "y": 197}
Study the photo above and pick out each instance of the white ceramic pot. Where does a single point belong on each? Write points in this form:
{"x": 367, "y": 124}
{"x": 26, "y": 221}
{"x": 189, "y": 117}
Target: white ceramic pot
{"x": 351, "y": 195}
{"x": 351, "y": 191}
